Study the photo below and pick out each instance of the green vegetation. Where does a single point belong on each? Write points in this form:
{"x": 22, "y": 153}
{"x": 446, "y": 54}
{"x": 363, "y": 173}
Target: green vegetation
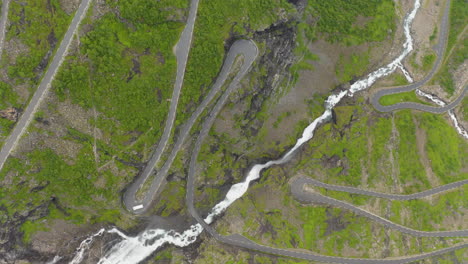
{"x": 420, "y": 214}
{"x": 458, "y": 21}
{"x": 364, "y": 150}
{"x": 457, "y": 46}
{"x": 164, "y": 255}
{"x": 399, "y": 79}
{"x": 74, "y": 187}
{"x": 464, "y": 106}
{"x": 411, "y": 171}
{"x": 122, "y": 74}
{"x": 7, "y": 98}
{"x": 380, "y": 134}
{"x": 29, "y": 228}
{"x": 428, "y": 61}
{"x": 348, "y": 68}
{"x": 37, "y": 27}
{"x": 269, "y": 215}
{"x": 280, "y": 119}
{"x": 172, "y": 199}
{"x": 305, "y": 34}
{"x": 447, "y": 151}
{"x": 354, "y": 22}
{"x": 329, "y": 145}
{"x": 40, "y": 25}
{"x": 136, "y": 68}
{"x": 216, "y": 22}
{"x": 400, "y": 98}
{"x": 424, "y": 215}
{"x": 354, "y": 232}
{"x": 433, "y": 36}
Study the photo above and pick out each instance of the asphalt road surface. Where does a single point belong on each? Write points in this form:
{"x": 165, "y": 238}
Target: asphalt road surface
{"x": 301, "y": 181}
{"x": 240, "y": 241}
{"x": 439, "y": 50}
{"x": 421, "y": 107}
{"x": 248, "y": 50}
{"x": 298, "y": 191}
{"x": 3, "y": 22}
{"x": 182, "y": 50}
{"x": 243, "y": 242}
{"x": 27, "y": 116}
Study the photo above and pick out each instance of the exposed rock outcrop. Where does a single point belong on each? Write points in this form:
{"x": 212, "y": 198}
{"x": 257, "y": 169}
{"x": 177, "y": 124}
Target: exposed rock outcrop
{"x": 10, "y": 114}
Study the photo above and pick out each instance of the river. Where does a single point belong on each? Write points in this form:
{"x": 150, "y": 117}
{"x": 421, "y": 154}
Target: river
{"x": 135, "y": 249}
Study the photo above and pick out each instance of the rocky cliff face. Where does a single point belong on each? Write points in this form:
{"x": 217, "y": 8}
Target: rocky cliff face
{"x": 274, "y": 64}
{"x": 12, "y": 248}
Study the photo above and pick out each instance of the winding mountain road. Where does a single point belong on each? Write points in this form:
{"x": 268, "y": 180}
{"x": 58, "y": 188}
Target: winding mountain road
{"x": 301, "y": 194}
{"x": 439, "y": 50}
{"x": 248, "y": 50}
{"x": 182, "y": 51}
{"x": 3, "y": 22}
{"x": 301, "y": 181}
{"x": 243, "y": 242}
{"x": 27, "y": 116}
{"x": 422, "y": 107}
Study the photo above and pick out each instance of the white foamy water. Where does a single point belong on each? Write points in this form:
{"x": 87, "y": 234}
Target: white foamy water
{"x": 84, "y": 245}
{"x": 135, "y": 249}
{"x": 406, "y": 73}
{"x": 451, "y": 113}
{"x": 55, "y": 260}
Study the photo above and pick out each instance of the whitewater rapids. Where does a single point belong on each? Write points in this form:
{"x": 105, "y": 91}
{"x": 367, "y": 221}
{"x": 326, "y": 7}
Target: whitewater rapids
{"x": 136, "y": 249}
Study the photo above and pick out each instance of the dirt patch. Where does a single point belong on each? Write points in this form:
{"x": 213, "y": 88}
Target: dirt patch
{"x": 75, "y": 116}
{"x": 321, "y": 80}
{"x": 61, "y": 233}
{"x": 13, "y": 48}
{"x": 424, "y": 25}
{"x": 53, "y": 124}
{"x": 460, "y": 77}
{"x": 391, "y": 146}
{"x": 70, "y": 6}
{"x": 460, "y": 114}
{"x": 455, "y": 222}
{"x": 427, "y": 17}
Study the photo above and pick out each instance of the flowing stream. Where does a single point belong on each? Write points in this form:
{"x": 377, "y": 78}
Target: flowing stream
{"x": 136, "y": 249}
{"x": 451, "y": 112}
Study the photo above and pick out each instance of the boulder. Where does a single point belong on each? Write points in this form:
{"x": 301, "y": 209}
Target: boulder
{"x": 10, "y": 114}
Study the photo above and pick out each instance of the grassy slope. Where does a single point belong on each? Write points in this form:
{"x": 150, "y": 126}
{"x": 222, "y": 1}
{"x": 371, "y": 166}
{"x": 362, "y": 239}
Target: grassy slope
{"x": 400, "y": 98}
{"x": 125, "y": 73}
{"x": 349, "y": 141}
{"x": 279, "y": 220}
{"x": 32, "y": 23}
{"x": 457, "y": 42}
{"x": 216, "y": 22}
{"x": 36, "y": 24}
{"x": 103, "y": 75}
